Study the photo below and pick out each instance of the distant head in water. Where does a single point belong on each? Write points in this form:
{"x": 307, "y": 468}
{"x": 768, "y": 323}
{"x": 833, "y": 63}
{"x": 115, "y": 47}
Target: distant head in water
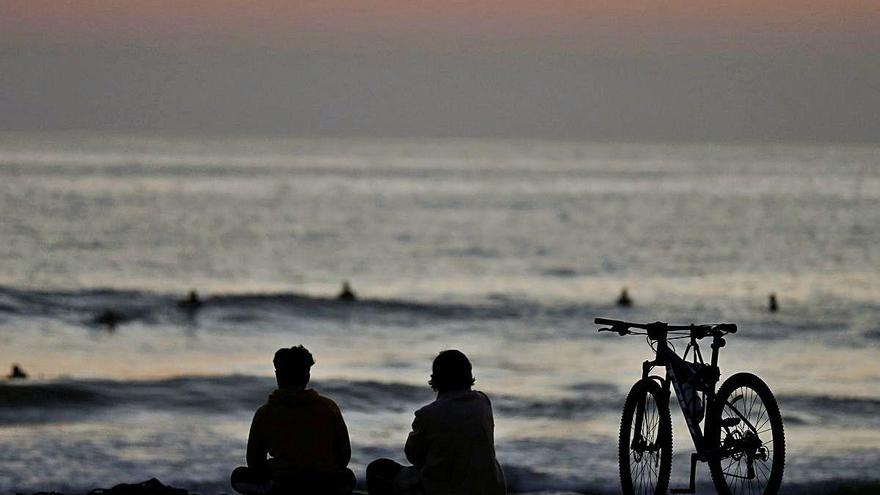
{"x": 192, "y": 301}
{"x": 451, "y": 371}
{"x": 773, "y": 304}
{"x": 109, "y": 319}
{"x": 624, "y": 300}
{"x": 17, "y": 372}
{"x": 346, "y": 294}
{"x": 293, "y": 367}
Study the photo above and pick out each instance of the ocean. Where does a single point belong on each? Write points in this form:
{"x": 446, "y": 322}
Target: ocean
{"x": 503, "y": 249}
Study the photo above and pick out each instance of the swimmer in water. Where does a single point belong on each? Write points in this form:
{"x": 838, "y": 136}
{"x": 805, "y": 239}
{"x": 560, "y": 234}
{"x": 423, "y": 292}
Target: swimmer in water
{"x": 17, "y": 373}
{"x": 346, "y": 294}
{"x": 109, "y": 319}
{"x": 624, "y": 300}
{"x": 192, "y": 302}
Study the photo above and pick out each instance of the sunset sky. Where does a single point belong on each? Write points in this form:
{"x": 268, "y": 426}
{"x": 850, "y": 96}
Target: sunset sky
{"x": 781, "y": 70}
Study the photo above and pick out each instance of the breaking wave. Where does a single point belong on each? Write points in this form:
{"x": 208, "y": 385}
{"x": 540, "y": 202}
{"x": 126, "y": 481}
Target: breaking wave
{"x": 59, "y": 400}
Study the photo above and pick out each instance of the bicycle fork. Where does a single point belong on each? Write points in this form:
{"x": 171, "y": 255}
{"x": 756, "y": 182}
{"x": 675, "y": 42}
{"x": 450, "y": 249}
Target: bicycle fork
{"x": 639, "y": 443}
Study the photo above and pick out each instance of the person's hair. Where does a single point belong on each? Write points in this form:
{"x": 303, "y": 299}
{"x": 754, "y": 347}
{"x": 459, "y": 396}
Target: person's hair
{"x": 292, "y": 366}
{"x": 451, "y": 371}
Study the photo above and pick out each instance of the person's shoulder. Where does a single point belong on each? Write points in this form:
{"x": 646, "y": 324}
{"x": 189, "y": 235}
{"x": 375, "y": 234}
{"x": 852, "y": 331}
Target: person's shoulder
{"x": 486, "y": 401}
{"x": 429, "y": 410}
{"x": 426, "y": 409}
{"x": 329, "y": 403}
{"x": 483, "y": 396}
{"x": 263, "y": 410}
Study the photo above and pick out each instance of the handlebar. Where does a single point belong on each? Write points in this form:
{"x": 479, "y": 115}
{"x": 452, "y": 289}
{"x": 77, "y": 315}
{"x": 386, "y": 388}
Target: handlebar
{"x": 697, "y": 331}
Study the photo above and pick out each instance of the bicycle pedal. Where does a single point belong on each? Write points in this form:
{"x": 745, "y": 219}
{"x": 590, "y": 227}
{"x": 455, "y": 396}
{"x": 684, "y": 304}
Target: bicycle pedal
{"x": 682, "y": 490}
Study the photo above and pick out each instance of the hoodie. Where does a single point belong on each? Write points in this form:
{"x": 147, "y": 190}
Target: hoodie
{"x": 301, "y": 431}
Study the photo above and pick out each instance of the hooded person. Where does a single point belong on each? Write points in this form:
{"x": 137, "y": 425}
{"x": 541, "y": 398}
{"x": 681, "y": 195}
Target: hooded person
{"x": 298, "y": 441}
{"x": 452, "y": 443}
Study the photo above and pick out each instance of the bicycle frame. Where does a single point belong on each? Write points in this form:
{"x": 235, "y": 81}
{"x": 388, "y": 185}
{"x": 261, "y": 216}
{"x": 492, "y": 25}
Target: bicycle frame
{"x": 668, "y": 359}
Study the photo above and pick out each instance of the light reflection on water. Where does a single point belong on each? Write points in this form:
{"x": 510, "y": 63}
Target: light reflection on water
{"x": 504, "y": 250}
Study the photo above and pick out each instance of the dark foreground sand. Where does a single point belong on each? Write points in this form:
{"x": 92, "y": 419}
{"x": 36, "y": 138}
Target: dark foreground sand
{"x": 156, "y": 487}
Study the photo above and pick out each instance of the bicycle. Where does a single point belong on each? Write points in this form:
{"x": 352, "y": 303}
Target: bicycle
{"x": 744, "y": 440}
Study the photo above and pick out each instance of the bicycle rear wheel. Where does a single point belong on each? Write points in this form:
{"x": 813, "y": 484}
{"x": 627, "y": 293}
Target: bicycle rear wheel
{"x": 645, "y": 451}
{"x": 746, "y": 429}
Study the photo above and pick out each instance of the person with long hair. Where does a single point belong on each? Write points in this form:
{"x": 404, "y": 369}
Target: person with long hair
{"x": 452, "y": 442}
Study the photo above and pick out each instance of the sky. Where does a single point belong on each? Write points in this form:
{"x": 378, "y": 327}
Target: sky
{"x": 785, "y": 70}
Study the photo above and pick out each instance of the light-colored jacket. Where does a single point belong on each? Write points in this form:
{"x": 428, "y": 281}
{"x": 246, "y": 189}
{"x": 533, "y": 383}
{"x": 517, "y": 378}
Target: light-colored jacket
{"x": 452, "y": 448}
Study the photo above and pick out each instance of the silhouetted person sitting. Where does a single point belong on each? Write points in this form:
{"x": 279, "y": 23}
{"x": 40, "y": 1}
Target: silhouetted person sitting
{"x": 191, "y": 303}
{"x": 346, "y": 294}
{"x": 452, "y": 443}
{"x": 17, "y": 373}
{"x": 624, "y": 300}
{"x": 772, "y": 304}
{"x": 304, "y": 434}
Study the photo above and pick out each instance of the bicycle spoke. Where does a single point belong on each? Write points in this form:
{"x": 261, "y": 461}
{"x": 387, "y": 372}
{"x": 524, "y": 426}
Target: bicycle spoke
{"x": 729, "y": 464}
{"x": 639, "y": 475}
{"x": 750, "y": 401}
{"x": 761, "y": 413}
{"x": 738, "y": 475}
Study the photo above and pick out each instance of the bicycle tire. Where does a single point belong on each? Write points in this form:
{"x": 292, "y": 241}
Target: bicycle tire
{"x": 727, "y": 471}
{"x": 633, "y": 463}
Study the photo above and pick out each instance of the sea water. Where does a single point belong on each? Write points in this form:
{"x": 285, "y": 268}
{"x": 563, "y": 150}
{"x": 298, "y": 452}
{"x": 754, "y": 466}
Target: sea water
{"x": 506, "y": 250}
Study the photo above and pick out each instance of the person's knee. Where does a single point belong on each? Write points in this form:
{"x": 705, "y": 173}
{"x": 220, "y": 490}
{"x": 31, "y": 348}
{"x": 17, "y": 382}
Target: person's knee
{"x": 344, "y": 482}
{"x": 349, "y": 477}
{"x": 371, "y": 468}
{"x": 240, "y": 474}
{"x": 247, "y": 481}
{"x": 379, "y": 468}
{"x": 380, "y": 475}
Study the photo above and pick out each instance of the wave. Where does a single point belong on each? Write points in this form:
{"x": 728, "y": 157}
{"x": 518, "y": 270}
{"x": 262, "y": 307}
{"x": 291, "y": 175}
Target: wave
{"x": 239, "y": 394}
{"x": 109, "y": 309}
{"x": 202, "y": 394}
{"x": 811, "y": 410}
{"x": 96, "y": 307}
{"x": 63, "y": 399}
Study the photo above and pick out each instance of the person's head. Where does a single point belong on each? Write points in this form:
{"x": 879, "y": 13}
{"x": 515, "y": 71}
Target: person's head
{"x": 292, "y": 366}
{"x": 451, "y": 371}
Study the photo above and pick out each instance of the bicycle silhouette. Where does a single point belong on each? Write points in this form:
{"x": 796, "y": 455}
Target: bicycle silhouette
{"x": 743, "y": 441}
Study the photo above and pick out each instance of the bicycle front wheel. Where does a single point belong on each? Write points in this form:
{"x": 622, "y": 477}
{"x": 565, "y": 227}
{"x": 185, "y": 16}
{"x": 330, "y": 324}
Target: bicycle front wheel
{"x": 748, "y": 438}
{"x": 645, "y": 444}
